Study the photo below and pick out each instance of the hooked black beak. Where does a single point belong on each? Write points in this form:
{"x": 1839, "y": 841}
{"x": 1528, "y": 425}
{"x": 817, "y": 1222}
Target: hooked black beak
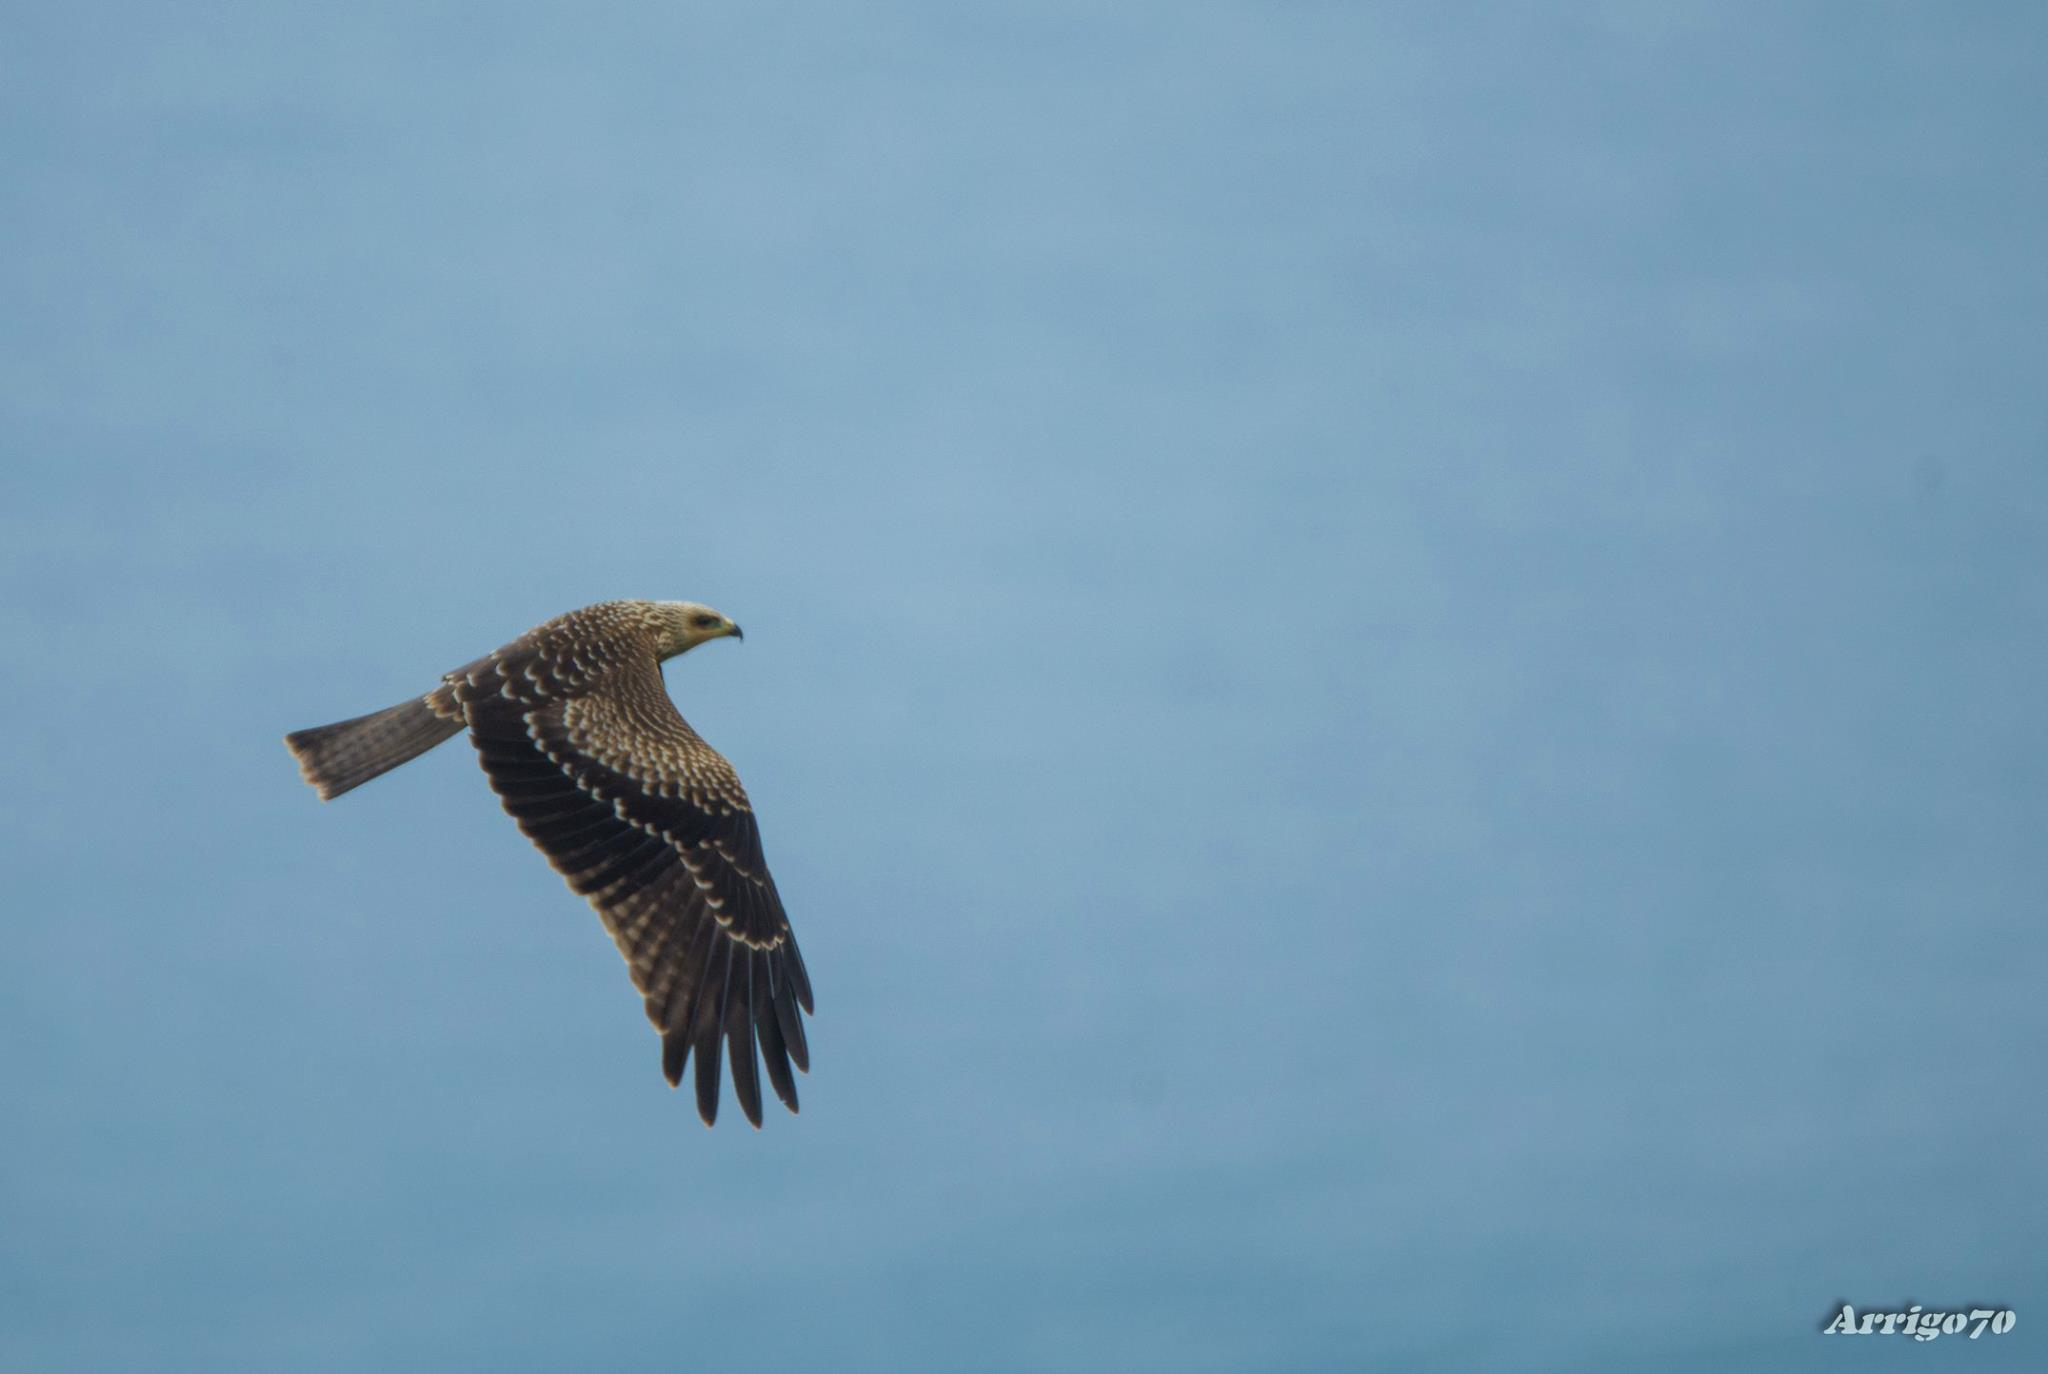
{"x": 736, "y": 632}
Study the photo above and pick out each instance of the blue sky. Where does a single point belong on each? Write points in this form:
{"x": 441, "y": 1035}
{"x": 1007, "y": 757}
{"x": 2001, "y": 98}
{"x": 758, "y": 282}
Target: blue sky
{"x": 1393, "y": 673}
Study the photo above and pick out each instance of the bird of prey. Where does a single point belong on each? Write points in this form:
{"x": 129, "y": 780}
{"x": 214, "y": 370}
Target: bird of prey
{"x": 580, "y": 741}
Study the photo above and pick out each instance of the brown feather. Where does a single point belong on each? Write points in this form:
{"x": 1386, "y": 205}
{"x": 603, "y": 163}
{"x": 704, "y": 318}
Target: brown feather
{"x": 576, "y": 733}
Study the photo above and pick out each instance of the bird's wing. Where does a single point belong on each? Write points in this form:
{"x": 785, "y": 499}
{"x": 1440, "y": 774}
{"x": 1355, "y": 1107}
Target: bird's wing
{"x": 651, "y": 824}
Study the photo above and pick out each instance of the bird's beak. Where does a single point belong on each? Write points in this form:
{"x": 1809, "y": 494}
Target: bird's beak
{"x": 734, "y": 630}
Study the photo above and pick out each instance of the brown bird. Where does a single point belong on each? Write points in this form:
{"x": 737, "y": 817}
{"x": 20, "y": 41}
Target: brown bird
{"x": 576, "y": 732}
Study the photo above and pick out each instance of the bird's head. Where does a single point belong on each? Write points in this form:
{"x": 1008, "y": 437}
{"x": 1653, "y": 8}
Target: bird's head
{"x": 685, "y": 624}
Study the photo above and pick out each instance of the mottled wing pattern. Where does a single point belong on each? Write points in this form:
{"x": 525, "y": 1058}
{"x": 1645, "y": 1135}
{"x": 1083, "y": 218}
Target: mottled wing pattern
{"x": 650, "y": 823}
{"x": 580, "y": 652}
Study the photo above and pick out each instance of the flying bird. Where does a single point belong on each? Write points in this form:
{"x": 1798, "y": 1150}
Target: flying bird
{"x": 576, "y": 732}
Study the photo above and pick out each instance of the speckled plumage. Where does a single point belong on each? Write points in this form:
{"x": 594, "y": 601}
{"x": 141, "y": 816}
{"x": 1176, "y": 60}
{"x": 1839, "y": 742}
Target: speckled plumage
{"x": 575, "y": 730}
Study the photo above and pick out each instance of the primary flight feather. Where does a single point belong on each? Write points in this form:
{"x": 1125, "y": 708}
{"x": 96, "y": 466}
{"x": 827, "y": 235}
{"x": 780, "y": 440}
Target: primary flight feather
{"x": 580, "y": 741}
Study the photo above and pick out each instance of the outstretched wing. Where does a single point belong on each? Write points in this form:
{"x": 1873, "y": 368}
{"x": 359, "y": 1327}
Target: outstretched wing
{"x": 650, "y": 823}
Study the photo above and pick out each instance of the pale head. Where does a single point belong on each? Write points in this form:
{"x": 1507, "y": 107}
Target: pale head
{"x": 683, "y": 625}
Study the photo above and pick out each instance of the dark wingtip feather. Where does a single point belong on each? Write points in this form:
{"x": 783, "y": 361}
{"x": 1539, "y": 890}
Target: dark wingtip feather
{"x": 791, "y": 1021}
{"x": 739, "y": 1045}
{"x": 707, "y": 1087}
{"x": 709, "y": 1022}
{"x": 774, "y": 1052}
{"x": 675, "y": 1051}
{"x": 802, "y": 978}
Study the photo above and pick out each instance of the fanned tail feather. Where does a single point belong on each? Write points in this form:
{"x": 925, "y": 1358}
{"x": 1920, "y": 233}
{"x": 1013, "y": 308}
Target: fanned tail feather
{"x": 348, "y": 753}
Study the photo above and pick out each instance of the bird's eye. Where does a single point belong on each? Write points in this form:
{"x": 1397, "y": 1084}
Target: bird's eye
{"x": 705, "y": 622}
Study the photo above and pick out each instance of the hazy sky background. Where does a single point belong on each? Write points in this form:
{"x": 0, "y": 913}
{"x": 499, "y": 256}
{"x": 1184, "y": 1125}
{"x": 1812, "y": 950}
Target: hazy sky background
{"x": 1394, "y": 671}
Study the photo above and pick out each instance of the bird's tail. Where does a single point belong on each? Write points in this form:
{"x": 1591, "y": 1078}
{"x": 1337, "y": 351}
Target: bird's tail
{"x": 348, "y": 753}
